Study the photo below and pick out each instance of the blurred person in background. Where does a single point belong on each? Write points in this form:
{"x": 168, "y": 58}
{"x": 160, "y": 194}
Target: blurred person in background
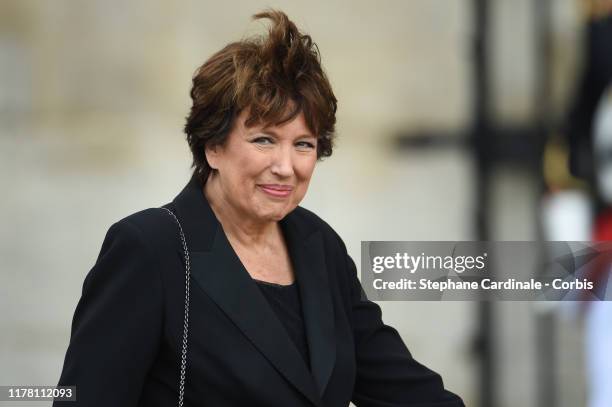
{"x": 261, "y": 291}
{"x": 599, "y": 316}
{"x": 590, "y": 142}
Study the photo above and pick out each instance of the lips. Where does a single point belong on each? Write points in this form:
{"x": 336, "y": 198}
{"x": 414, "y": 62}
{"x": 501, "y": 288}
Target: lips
{"x": 276, "y": 190}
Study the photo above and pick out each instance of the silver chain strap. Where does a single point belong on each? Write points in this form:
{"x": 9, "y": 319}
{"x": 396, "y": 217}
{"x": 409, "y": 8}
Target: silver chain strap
{"x": 186, "y": 317}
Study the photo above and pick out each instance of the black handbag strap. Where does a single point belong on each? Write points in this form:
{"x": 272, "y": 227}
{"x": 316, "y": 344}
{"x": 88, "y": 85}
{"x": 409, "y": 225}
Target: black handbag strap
{"x": 186, "y": 314}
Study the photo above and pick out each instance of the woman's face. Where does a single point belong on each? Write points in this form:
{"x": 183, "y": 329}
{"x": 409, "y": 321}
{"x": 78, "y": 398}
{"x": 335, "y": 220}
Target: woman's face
{"x": 263, "y": 172}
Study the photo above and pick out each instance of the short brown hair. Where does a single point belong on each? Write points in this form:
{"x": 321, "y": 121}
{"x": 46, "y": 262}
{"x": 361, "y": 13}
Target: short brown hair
{"x": 275, "y": 76}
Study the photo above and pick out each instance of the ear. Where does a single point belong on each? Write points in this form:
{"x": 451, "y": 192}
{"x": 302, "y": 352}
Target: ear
{"x": 212, "y": 156}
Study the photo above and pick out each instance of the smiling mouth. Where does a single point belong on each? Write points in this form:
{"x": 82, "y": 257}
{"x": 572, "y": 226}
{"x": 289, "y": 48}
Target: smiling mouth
{"x": 277, "y": 191}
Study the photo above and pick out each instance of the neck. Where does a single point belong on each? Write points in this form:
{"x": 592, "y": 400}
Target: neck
{"x": 246, "y": 231}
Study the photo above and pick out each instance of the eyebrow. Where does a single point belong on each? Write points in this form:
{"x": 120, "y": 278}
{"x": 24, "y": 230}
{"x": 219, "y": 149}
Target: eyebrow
{"x": 275, "y": 134}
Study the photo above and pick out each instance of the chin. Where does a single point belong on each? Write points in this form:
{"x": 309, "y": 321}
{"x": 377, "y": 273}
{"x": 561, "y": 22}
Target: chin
{"x": 273, "y": 211}
{"x": 273, "y": 215}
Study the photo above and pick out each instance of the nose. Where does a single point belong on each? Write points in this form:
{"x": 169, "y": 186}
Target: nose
{"x": 282, "y": 163}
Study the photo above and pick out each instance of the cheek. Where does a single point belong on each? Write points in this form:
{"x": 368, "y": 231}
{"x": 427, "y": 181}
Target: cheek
{"x": 305, "y": 168}
{"x": 252, "y": 164}
{"x": 304, "y": 173}
{"x": 247, "y": 169}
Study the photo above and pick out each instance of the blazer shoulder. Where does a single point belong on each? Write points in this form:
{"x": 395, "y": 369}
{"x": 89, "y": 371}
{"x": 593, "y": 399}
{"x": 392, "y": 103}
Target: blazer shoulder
{"x": 315, "y": 222}
{"x": 154, "y": 224}
{"x": 309, "y": 218}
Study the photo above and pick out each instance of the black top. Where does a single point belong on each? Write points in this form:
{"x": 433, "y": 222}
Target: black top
{"x": 286, "y": 303}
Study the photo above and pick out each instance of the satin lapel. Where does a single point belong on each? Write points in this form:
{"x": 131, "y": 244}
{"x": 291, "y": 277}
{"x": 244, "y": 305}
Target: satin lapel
{"x": 308, "y": 258}
{"x": 217, "y": 270}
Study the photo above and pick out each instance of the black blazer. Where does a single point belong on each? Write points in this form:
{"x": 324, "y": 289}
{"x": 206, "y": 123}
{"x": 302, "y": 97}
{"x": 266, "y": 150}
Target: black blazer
{"x": 127, "y": 328}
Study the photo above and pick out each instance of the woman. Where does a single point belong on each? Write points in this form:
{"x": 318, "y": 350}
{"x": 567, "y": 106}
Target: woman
{"x": 276, "y": 315}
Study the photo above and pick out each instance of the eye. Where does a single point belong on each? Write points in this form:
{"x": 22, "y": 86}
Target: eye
{"x": 305, "y": 145}
{"x": 263, "y": 140}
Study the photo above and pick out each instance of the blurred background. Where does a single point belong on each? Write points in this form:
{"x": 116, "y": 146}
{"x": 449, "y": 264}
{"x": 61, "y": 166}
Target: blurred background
{"x": 458, "y": 120}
